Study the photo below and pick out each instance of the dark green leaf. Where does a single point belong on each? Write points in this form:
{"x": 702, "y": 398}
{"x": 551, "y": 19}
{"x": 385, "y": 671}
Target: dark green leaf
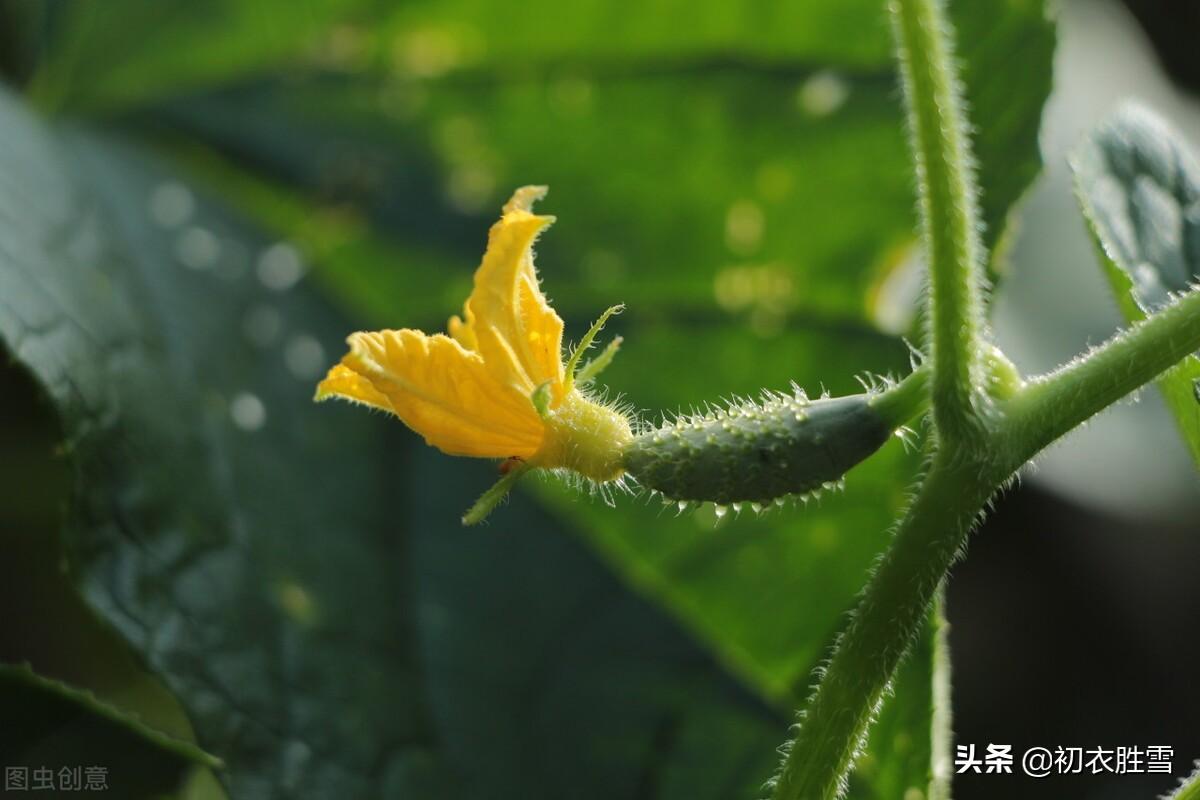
{"x": 106, "y": 55}
{"x": 45, "y": 724}
{"x": 295, "y": 574}
{"x": 124, "y": 53}
{"x": 1139, "y": 187}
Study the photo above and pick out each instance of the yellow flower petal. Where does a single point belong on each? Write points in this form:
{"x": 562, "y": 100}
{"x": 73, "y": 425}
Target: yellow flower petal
{"x": 343, "y": 382}
{"x": 508, "y": 320}
{"x": 439, "y": 389}
{"x": 464, "y": 333}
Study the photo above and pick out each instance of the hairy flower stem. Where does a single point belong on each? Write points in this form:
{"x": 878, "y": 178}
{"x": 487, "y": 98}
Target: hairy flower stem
{"x": 949, "y": 214}
{"x": 904, "y": 401}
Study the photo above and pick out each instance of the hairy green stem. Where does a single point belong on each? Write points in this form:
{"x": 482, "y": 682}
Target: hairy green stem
{"x": 1190, "y": 788}
{"x": 949, "y": 213}
{"x": 1051, "y": 405}
{"x": 889, "y": 614}
{"x": 488, "y": 501}
{"x": 935, "y": 530}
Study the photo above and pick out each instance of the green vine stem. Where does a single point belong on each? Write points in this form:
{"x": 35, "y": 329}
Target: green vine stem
{"x": 949, "y": 213}
{"x": 1052, "y": 405}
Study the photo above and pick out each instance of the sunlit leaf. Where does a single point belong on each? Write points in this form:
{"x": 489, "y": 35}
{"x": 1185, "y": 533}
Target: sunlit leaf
{"x": 1139, "y": 187}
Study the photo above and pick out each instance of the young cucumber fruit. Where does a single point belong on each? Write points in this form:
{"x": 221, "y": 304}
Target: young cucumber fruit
{"x": 759, "y": 452}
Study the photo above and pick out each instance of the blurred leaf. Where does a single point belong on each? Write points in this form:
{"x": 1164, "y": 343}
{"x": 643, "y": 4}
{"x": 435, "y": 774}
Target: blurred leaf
{"x": 60, "y": 707}
{"x": 571, "y": 684}
{"x": 726, "y": 201}
{"x": 789, "y": 170}
{"x": 1139, "y": 187}
{"x": 438, "y": 36}
{"x": 45, "y": 724}
{"x": 115, "y": 53}
{"x": 22, "y": 26}
{"x": 295, "y": 574}
{"x": 120, "y": 53}
{"x": 1006, "y": 51}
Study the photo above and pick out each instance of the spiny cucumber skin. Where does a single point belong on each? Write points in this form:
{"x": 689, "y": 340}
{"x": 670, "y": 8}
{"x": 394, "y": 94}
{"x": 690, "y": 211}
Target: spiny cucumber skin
{"x": 757, "y": 453}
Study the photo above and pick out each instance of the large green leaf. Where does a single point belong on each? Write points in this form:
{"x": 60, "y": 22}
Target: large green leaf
{"x": 295, "y": 574}
{"x": 136, "y": 734}
{"x": 1139, "y": 187}
{"x": 105, "y": 55}
{"x": 737, "y": 186}
{"x": 782, "y": 149}
{"x": 125, "y": 53}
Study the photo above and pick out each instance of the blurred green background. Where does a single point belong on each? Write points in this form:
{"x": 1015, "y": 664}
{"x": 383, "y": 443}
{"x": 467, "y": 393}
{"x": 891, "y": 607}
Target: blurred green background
{"x": 198, "y": 201}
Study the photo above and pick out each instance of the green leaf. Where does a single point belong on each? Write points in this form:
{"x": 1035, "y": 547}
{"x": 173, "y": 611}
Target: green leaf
{"x": 70, "y": 694}
{"x": 104, "y": 56}
{"x": 1139, "y": 187}
{"x": 295, "y": 574}
{"x": 571, "y": 685}
{"x": 123, "y": 54}
{"x": 46, "y": 724}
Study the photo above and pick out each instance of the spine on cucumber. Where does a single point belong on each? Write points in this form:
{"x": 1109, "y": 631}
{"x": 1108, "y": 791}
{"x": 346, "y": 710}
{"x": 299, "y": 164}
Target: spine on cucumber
{"x": 787, "y": 445}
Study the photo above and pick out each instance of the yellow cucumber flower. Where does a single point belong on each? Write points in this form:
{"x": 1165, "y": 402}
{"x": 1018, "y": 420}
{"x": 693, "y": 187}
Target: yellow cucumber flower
{"x": 496, "y": 386}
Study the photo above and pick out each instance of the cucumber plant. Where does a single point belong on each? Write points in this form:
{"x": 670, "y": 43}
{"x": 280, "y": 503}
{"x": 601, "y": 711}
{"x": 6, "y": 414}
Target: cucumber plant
{"x": 118, "y": 344}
